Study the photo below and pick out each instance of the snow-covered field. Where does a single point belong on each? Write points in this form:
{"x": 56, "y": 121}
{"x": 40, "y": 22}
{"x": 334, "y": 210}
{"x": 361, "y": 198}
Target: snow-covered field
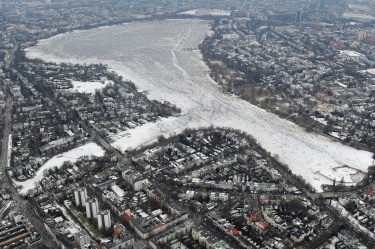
{"x": 189, "y": 12}
{"x": 161, "y": 58}
{"x": 202, "y": 12}
{"x": 89, "y": 149}
{"x": 88, "y": 87}
{"x": 370, "y": 70}
{"x": 358, "y": 16}
{"x": 351, "y": 53}
{"x": 359, "y": 7}
{"x": 320, "y": 120}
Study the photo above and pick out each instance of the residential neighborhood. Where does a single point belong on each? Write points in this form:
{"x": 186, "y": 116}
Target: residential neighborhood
{"x": 65, "y": 182}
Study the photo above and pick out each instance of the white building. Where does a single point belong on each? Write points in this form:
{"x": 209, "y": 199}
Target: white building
{"x": 81, "y": 238}
{"x": 219, "y": 196}
{"x": 190, "y": 194}
{"x": 104, "y": 220}
{"x": 92, "y": 208}
{"x": 80, "y": 196}
{"x": 138, "y": 183}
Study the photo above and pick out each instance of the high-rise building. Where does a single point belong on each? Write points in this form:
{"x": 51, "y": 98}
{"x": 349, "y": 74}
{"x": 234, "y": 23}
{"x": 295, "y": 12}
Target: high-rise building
{"x": 92, "y": 208}
{"x": 48, "y": 1}
{"x": 361, "y": 35}
{"x": 298, "y": 17}
{"x": 80, "y": 196}
{"x": 297, "y": 10}
{"x": 104, "y": 220}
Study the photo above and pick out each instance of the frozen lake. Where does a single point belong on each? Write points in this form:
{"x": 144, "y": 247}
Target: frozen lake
{"x": 162, "y": 58}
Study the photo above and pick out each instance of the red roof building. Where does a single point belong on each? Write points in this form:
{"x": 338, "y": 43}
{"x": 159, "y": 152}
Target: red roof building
{"x": 253, "y": 218}
{"x": 261, "y": 225}
{"x": 337, "y": 44}
{"x": 127, "y": 217}
{"x": 233, "y": 230}
{"x": 369, "y": 40}
{"x": 369, "y": 193}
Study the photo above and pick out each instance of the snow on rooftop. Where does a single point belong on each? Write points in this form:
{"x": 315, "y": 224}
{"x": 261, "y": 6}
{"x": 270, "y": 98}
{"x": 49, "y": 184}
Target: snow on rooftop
{"x": 341, "y": 84}
{"x": 118, "y": 191}
{"x": 90, "y": 149}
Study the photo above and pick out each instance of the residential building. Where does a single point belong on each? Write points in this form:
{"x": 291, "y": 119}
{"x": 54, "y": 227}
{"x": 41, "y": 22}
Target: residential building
{"x": 92, "y": 208}
{"x": 80, "y": 196}
{"x": 104, "y": 220}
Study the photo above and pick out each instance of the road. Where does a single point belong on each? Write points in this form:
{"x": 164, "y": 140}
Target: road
{"x": 337, "y": 194}
{"x": 6, "y": 133}
{"x": 99, "y": 140}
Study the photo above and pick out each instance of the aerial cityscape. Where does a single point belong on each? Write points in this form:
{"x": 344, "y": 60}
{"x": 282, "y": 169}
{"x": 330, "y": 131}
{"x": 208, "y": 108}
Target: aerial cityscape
{"x": 178, "y": 124}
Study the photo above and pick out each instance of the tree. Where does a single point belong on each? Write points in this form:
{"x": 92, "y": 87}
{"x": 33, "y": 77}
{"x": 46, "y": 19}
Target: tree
{"x": 342, "y": 181}
{"x": 351, "y": 206}
{"x": 161, "y": 138}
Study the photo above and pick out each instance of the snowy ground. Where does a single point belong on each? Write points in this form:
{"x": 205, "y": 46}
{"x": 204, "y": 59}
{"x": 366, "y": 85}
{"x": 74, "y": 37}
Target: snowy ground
{"x": 320, "y": 120}
{"x": 161, "y": 58}
{"x": 9, "y": 149}
{"x": 89, "y": 149}
{"x": 202, "y": 12}
{"x": 189, "y": 12}
{"x": 88, "y": 87}
{"x": 351, "y": 53}
{"x": 359, "y": 7}
{"x": 358, "y": 16}
{"x": 370, "y": 70}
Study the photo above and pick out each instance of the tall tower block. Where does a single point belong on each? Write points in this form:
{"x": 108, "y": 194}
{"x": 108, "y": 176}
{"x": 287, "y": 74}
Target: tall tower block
{"x": 80, "y": 196}
{"x": 104, "y": 220}
{"x": 92, "y": 208}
